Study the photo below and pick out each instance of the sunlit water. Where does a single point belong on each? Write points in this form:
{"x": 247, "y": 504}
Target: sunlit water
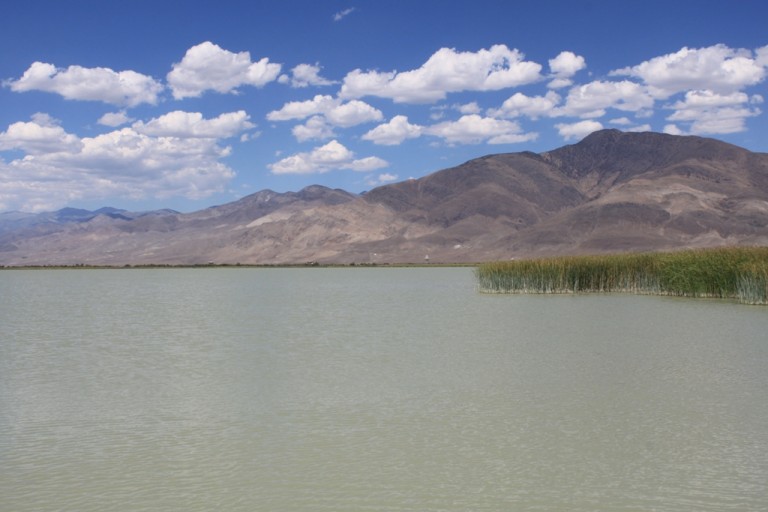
{"x": 372, "y": 389}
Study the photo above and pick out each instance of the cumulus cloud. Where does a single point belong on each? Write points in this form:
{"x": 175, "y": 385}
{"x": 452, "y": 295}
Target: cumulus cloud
{"x": 39, "y": 136}
{"x": 60, "y": 167}
{"x": 707, "y": 112}
{"x": 446, "y": 71}
{"x": 761, "y": 56}
{"x": 394, "y": 132}
{"x": 578, "y": 130}
{"x": 208, "y": 67}
{"x": 122, "y": 88}
{"x": 305, "y": 75}
{"x": 387, "y": 177}
{"x": 628, "y": 126}
{"x": 193, "y": 125}
{"x": 592, "y": 99}
{"x": 331, "y": 156}
{"x": 563, "y": 67}
{"x": 638, "y": 128}
{"x": 352, "y": 113}
{"x": 621, "y": 121}
{"x": 469, "y": 108}
{"x": 474, "y": 129}
{"x": 559, "y": 83}
{"x": 381, "y": 179}
{"x": 325, "y": 112}
{"x": 717, "y": 68}
{"x": 709, "y": 99}
{"x": 335, "y": 111}
{"x": 316, "y": 128}
{"x": 114, "y": 119}
{"x": 567, "y": 64}
{"x": 531, "y": 106}
{"x": 673, "y": 129}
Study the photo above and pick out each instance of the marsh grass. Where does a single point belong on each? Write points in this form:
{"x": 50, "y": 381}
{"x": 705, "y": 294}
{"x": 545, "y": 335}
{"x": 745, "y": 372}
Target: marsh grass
{"x": 737, "y": 272}
{"x": 753, "y": 283}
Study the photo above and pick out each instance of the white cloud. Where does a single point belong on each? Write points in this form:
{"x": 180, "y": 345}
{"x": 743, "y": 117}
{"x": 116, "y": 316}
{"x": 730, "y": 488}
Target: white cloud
{"x": 709, "y": 99}
{"x": 672, "y": 129}
{"x": 193, "y": 125}
{"x": 532, "y": 106}
{"x": 316, "y": 128}
{"x": 303, "y": 109}
{"x": 324, "y": 113}
{"x": 628, "y": 126}
{"x": 245, "y": 137}
{"x": 566, "y": 64}
{"x": 335, "y": 111}
{"x": 305, "y": 75}
{"x": 343, "y": 14}
{"x": 44, "y": 119}
{"x": 710, "y": 113}
{"x": 369, "y": 163}
{"x": 446, "y": 71}
{"x": 123, "y": 88}
{"x": 209, "y": 67}
{"x": 761, "y": 56}
{"x": 468, "y": 129}
{"x": 381, "y": 179}
{"x": 717, "y": 68}
{"x": 621, "y": 121}
{"x": 59, "y": 167}
{"x": 638, "y": 128}
{"x": 394, "y": 132}
{"x": 578, "y": 130}
{"x": 114, "y": 119}
{"x": 39, "y": 136}
{"x": 469, "y": 108}
{"x": 591, "y": 100}
{"x": 513, "y": 138}
{"x": 331, "y": 156}
{"x": 437, "y": 112}
{"x": 559, "y": 83}
{"x": 353, "y": 113}
{"x": 563, "y": 67}
{"x": 475, "y": 129}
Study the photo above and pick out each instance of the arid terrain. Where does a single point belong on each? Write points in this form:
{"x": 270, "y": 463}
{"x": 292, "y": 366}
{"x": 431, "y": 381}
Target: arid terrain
{"x": 611, "y": 192}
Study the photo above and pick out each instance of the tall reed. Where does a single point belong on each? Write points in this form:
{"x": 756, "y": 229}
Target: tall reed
{"x": 753, "y": 283}
{"x": 738, "y": 272}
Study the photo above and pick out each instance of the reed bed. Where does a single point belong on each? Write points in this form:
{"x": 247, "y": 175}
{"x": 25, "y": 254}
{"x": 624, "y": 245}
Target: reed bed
{"x": 738, "y": 272}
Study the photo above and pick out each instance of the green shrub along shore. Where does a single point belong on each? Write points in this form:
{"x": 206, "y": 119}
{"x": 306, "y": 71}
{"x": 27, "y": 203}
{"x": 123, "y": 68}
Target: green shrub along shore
{"x": 739, "y": 273}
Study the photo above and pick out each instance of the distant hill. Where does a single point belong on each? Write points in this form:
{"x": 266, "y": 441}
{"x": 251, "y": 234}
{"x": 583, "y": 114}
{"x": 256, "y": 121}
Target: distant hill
{"x": 613, "y": 191}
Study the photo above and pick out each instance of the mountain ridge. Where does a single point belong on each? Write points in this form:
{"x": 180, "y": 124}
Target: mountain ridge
{"x": 612, "y": 191}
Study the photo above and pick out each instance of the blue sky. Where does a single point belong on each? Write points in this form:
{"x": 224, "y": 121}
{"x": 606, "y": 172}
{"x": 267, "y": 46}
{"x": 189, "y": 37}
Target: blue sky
{"x": 186, "y": 104}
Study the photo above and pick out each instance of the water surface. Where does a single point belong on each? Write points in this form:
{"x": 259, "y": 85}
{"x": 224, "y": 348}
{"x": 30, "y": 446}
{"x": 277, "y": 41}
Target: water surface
{"x": 372, "y": 389}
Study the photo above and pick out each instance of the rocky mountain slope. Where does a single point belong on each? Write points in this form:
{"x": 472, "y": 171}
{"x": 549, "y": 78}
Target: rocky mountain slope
{"x": 612, "y": 191}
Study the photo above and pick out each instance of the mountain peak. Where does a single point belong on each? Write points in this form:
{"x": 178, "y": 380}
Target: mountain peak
{"x": 624, "y": 154}
{"x": 327, "y": 195}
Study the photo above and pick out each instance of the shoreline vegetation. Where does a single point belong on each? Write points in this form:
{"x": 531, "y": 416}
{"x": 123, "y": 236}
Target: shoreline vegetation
{"x": 312, "y": 264}
{"x": 739, "y": 273}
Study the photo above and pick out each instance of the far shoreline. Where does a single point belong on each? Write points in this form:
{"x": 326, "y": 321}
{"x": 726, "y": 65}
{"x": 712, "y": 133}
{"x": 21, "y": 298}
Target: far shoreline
{"x": 79, "y": 266}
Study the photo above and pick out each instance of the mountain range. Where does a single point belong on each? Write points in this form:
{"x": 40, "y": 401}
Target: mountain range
{"x": 612, "y": 192}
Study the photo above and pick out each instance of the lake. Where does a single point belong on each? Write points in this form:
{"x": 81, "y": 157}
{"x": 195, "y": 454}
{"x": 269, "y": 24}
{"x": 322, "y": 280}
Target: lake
{"x": 383, "y": 389}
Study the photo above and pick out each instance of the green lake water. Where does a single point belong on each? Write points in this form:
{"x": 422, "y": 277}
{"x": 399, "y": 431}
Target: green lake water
{"x": 382, "y": 389}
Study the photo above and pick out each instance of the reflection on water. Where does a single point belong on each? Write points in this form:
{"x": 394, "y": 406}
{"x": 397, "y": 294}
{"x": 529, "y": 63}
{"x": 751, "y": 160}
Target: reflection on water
{"x": 372, "y": 389}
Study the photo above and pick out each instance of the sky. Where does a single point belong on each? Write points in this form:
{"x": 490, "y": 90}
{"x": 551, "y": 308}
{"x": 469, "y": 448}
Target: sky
{"x": 154, "y": 104}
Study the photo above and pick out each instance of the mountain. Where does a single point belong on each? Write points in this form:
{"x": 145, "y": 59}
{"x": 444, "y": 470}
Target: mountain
{"x": 613, "y": 191}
